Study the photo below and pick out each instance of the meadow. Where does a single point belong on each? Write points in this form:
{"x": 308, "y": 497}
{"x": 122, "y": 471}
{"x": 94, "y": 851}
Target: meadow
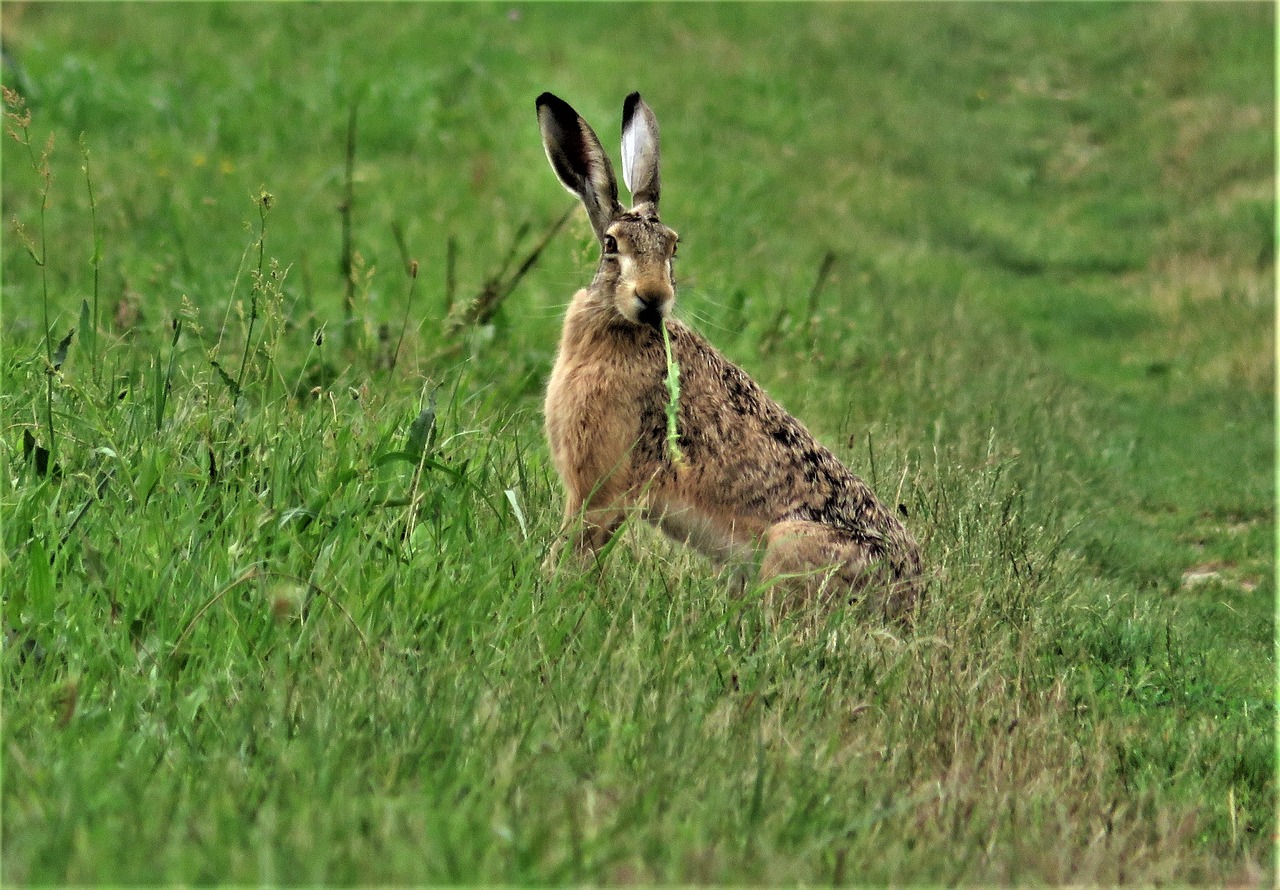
{"x": 281, "y": 290}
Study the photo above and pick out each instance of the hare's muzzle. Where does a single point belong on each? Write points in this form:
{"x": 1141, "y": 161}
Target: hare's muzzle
{"x": 652, "y": 305}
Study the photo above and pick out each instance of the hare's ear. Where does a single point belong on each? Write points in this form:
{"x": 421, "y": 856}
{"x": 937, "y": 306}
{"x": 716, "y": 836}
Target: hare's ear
{"x": 640, "y": 151}
{"x": 578, "y": 160}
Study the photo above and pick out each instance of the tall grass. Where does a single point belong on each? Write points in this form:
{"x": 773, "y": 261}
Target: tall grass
{"x": 275, "y": 609}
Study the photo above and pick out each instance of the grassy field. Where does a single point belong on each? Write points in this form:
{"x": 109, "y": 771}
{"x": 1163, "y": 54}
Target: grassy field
{"x": 274, "y": 515}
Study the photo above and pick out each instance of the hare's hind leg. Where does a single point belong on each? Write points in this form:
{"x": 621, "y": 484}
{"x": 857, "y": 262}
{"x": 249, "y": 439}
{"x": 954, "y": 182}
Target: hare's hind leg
{"x": 819, "y": 565}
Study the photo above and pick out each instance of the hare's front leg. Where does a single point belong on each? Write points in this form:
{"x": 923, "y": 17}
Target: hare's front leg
{"x": 586, "y": 528}
{"x": 592, "y": 528}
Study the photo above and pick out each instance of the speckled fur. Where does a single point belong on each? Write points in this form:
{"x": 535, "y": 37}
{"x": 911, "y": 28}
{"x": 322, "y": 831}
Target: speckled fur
{"x": 751, "y": 475}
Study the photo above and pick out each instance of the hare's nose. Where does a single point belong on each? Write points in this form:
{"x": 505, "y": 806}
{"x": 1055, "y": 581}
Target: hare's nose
{"x": 650, "y": 300}
{"x": 653, "y": 294}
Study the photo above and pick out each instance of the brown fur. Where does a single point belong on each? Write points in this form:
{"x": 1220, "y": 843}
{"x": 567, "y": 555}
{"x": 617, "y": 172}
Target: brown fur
{"x": 750, "y": 476}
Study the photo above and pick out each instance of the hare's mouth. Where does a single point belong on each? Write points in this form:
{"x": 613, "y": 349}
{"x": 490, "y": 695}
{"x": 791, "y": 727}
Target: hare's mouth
{"x": 647, "y": 307}
{"x": 650, "y": 315}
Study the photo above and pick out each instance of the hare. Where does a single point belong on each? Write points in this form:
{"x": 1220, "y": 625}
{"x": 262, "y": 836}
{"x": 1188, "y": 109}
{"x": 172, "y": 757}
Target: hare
{"x": 748, "y": 474}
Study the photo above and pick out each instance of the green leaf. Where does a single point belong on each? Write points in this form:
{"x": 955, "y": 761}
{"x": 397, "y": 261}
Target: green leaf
{"x": 40, "y": 584}
{"x": 392, "y": 456}
{"x": 673, "y": 402}
{"x": 422, "y": 432}
{"x": 34, "y": 451}
{"x": 60, "y": 354}
{"x": 86, "y": 322}
{"x": 232, "y": 386}
{"x": 515, "y": 508}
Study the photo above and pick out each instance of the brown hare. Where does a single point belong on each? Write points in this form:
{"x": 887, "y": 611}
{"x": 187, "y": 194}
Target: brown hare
{"x": 748, "y": 474}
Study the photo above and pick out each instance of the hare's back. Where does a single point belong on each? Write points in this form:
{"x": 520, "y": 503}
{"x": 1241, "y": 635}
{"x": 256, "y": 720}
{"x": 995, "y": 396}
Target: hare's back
{"x": 742, "y": 446}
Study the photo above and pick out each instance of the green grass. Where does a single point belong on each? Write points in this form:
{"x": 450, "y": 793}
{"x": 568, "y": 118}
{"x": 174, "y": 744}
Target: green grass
{"x": 274, "y": 607}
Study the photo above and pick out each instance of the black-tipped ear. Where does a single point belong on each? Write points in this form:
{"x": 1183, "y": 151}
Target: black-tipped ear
{"x": 640, "y": 151}
{"x": 578, "y": 160}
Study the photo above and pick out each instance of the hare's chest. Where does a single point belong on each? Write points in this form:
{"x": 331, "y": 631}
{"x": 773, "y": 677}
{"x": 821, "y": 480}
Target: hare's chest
{"x": 599, "y": 415}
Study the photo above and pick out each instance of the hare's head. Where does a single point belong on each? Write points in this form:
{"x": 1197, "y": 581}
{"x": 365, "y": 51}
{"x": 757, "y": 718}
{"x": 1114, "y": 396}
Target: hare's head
{"x": 636, "y": 249}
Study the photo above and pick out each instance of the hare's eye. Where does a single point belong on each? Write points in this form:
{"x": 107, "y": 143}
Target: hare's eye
{"x": 610, "y": 244}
